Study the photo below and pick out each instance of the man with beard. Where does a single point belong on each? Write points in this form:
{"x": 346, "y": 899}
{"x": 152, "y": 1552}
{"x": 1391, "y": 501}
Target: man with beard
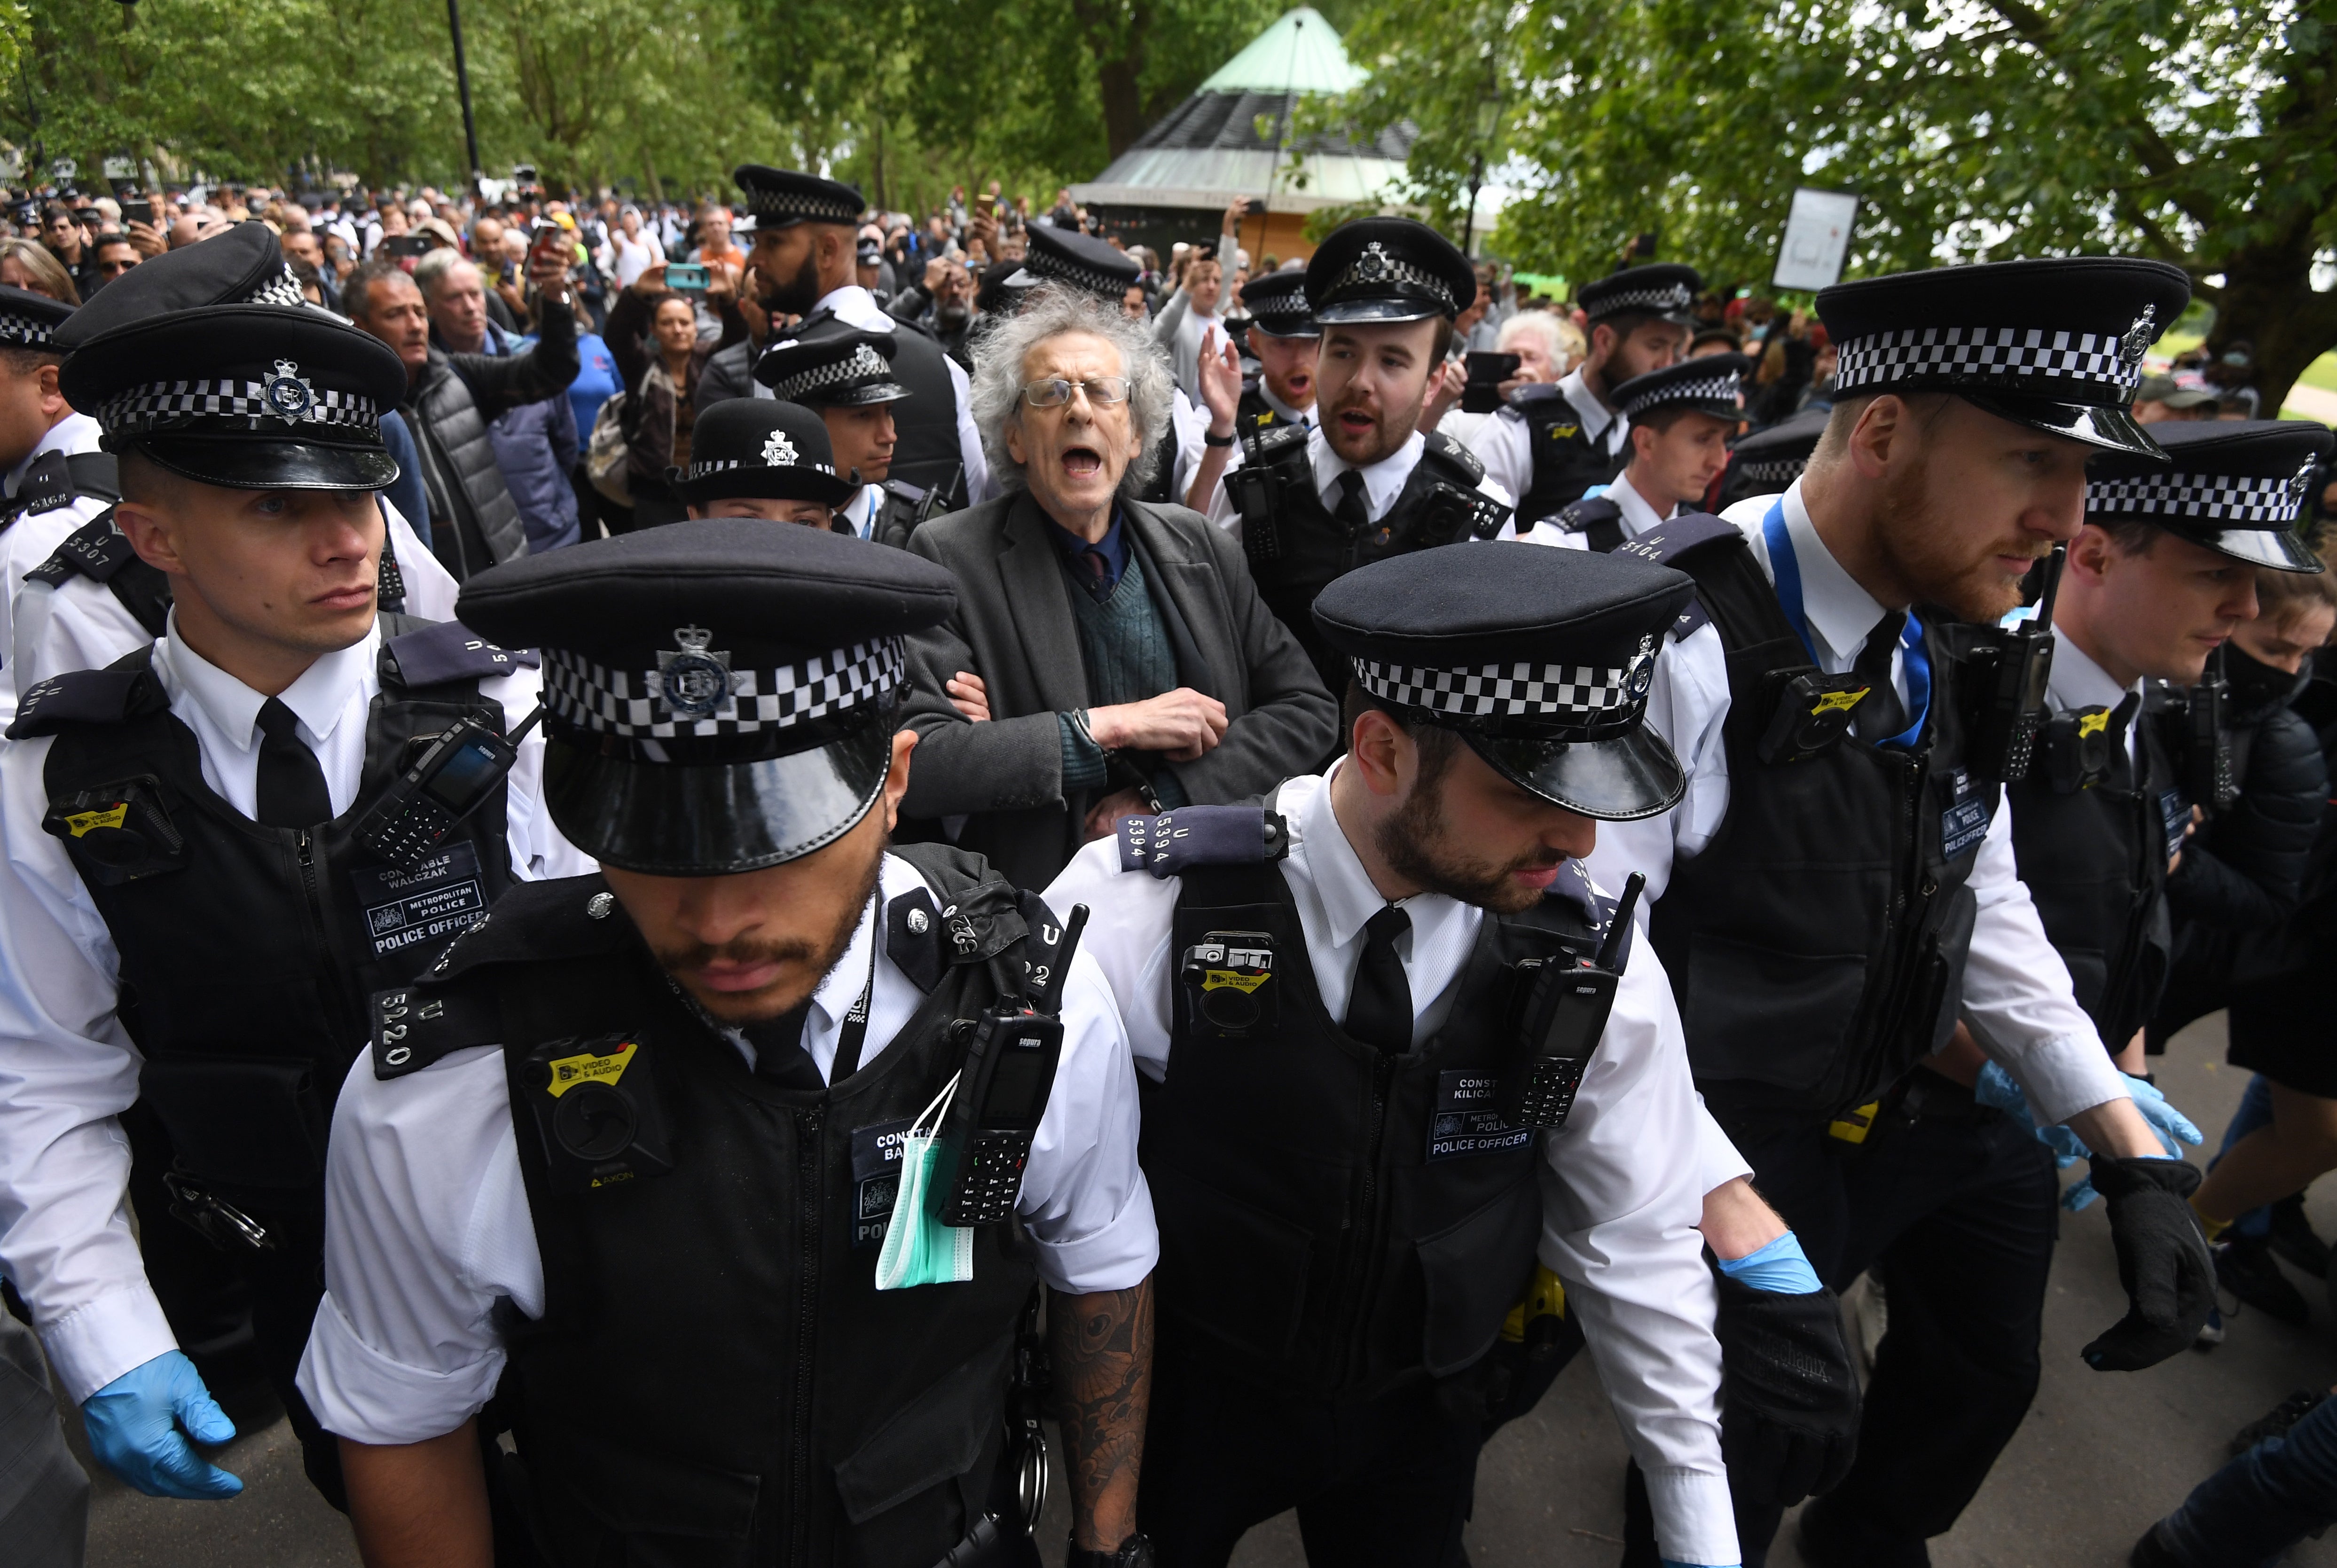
{"x": 1350, "y": 1002}
{"x": 1838, "y": 885}
{"x": 1681, "y": 418}
{"x": 1551, "y": 444}
{"x": 805, "y": 259}
{"x": 640, "y": 1149}
{"x": 1363, "y": 480}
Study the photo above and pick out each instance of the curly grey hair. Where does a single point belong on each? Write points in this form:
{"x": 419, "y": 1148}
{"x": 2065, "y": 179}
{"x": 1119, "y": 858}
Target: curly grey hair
{"x": 1049, "y": 311}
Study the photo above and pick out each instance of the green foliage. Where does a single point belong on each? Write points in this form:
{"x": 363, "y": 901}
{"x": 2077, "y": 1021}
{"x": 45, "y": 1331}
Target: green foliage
{"x": 2203, "y": 131}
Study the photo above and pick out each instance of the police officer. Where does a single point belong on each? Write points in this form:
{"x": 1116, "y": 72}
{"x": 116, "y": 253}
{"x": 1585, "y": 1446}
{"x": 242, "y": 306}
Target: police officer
{"x": 805, "y": 253}
{"x": 1549, "y": 444}
{"x": 199, "y": 889}
{"x": 1362, "y": 481}
{"x": 91, "y": 599}
{"x": 1285, "y": 336}
{"x": 1349, "y": 1005}
{"x": 2162, "y": 571}
{"x": 845, "y": 377}
{"x": 752, "y": 457}
{"x": 57, "y": 479}
{"x": 1681, "y": 417}
{"x": 1838, "y": 878}
{"x": 670, "y": 1121}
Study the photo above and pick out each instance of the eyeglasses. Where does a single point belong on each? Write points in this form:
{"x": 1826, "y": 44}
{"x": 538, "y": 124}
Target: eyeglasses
{"x": 1054, "y": 391}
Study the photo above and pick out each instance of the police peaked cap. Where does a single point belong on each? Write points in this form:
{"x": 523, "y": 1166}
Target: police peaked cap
{"x": 2055, "y": 344}
{"x": 1278, "y": 305}
{"x": 1664, "y": 289}
{"x": 30, "y": 320}
{"x": 780, "y": 198}
{"x": 1711, "y": 384}
{"x": 825, "y": 363}
{"x": 1388, "y": 270}
{"x": 762, "y": 448}
{"x": 243, "y": 266}
{"x": 720, "y": 693}
{"x": 1767, "y": 462}
{"x": 1541, "y": 657}
{"x": 2238, "y": 488}
{"x": 1076, "y": 261}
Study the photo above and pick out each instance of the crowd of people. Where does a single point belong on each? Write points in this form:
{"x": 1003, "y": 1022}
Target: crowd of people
{"x": 682, "y": 863}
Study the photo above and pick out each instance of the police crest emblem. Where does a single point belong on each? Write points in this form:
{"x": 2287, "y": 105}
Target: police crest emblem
{"x": 288, "y": 397}
{"x": 694, "y": 681}
{"x": 2140, "y": 336}
{"x": 778, "y": 452}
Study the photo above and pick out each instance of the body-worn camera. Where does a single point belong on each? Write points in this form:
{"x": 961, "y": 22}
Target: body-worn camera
{"x": 2005, "y": 672}
{"x": 1559, "y": 1008}
{"x": 2078, "y": 749}
{"x": 1809, "y": 712}
{"x": 118, "y": 832}
{"x": 1227, "y": 978}
{"x": 597, "y": 1109}
{"x": 1002, "y": 1093}
{"x": 455, "y": 775}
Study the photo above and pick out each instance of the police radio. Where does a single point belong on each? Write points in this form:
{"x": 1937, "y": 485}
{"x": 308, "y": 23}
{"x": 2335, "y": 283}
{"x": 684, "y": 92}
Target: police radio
{"x": 1561, "y": 1007}
{"x": 2203, "y": 743}
{"x": 1002, "y": 1093}
{"x": 458, "y": 771}
{"x": 2005, "y": 674}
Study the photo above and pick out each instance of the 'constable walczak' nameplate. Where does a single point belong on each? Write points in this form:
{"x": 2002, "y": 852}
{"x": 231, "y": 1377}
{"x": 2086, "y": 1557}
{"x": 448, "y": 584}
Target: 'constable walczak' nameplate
{"x": 1465, "y": 1121}
{"x": 434, "y": 902}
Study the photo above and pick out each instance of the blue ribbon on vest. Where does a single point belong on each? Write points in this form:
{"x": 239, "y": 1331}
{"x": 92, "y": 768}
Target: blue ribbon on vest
{"x": 1788, "y": 574}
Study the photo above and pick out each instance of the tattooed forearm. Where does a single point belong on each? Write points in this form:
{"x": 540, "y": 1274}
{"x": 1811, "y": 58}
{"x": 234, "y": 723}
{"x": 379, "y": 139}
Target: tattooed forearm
{"x": 1102, "y": 1349}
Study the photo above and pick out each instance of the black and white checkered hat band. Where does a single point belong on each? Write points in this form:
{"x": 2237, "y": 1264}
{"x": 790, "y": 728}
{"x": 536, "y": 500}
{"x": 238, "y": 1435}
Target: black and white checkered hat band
{"x": 1049, "y": 268}
{"x": 1561, "y": 694}
{"x": 2212, "y": 497}
{"x": 632, "y": 703}
{"x": 1671, "y": 297}
{"x": 865, "y": 365}
{"x": 23, "y": 332}
{"x": 282, "y": 288}
{"x": 1280, "y": 311}
{"x": 1376, "y": 268}
{"x": 725, "y": 465}
{"x": 170, "y": 405}
{"x": 2015, "y": 357}
{"x": 1773, "y": 470}
{"x": 1704, "y": 389}
{"x": 792, "y": 206}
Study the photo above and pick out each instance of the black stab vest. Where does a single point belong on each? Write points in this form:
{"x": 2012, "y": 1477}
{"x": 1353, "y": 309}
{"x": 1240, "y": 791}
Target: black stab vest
{"x": 1253, "y": 414}
{"x": 247, "y": 956}
{"x": 1315, "y": 549}
{"x": 1567, "y": 458}
{"x": 2095, "y": 861}
{"x": 926, "y": 451}
{"x": 1339, "y": 1221}
{"x": 1817, "y": 944}
{"x": 716, "y": 1380}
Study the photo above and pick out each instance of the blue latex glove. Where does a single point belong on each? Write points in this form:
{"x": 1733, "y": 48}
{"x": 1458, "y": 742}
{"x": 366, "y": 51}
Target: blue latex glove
{"x": 1998, "y": 1089}
{"x": 2173, "y": 1128}
{"x": 1781, "y": 1268}
{"x": 133, "y": 1429}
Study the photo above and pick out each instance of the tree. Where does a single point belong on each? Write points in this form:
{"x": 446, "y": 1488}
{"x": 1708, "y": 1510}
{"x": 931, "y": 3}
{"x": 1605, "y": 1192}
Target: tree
{"x": 2204, "y": 134}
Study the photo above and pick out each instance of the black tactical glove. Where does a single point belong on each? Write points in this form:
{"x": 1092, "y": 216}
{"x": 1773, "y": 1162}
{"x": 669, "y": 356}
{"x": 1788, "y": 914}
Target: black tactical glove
{"x": 1789, "y": 1401}
{"x": 2162, "y": 1259}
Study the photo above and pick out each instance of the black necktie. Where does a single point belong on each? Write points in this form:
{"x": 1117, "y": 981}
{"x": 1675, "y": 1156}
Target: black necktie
{"x": 779, "y": 1055}
{"x": 1880, "y": 715}
{"x": 1379, "y": 1008}
{"x": 1352, "y": 513}
{"x": 292, "y": 792}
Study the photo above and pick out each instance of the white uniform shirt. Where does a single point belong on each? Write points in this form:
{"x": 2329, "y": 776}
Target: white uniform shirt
{"x": 1383, "y": 481}
{"x": 855, "y": 306}
{"x": 1639, "y": 516}
{"x": 2016, "y": 996}
{"x": 67, "y": 1067}
{"x": 426, "y": 1219}
{"x": 862, "y": 509}
{"x": 1505, "y": 446}
{"x": 79, "y": 624}
{"x": 1623, "y": 1181}
{"x": 34, "y": 538}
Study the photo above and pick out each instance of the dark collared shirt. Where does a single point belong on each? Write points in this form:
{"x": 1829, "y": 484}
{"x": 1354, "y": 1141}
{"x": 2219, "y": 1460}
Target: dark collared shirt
{"x": 1096, "y": 567}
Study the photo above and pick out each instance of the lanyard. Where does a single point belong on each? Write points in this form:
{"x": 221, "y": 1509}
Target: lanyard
{"x": 854, "y": 1033}
{"x": 1788, "y": 574}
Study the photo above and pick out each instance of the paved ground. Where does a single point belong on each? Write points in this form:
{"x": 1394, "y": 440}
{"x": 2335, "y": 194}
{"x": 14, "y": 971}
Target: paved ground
{"x": 2102, "y": 1455}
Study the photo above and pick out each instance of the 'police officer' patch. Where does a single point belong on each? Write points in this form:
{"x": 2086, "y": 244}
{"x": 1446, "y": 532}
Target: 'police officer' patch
{"x": 1465, "y": 1122}
{"x": 1965, "y": 823}
{"x": 436, "y": 901}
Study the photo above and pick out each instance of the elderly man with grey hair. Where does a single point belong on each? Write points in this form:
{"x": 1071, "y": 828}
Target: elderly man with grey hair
{"x": 1108, "y": 656}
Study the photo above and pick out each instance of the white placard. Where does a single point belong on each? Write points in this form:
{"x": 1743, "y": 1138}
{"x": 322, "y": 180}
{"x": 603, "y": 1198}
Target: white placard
{"x": 1816, "y": 240}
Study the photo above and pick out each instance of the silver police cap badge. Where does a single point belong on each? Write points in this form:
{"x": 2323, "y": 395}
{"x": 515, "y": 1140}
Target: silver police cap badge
{"x": 2140, "y": 336}
{"x": 694, "y": 681}
{"x": 778, "y": 452}
{"x": 1675, "y": 298}
{"x": 1642, "y": 670}
{"x": 288, "y": 397}
{"x": 1373, "y": 266}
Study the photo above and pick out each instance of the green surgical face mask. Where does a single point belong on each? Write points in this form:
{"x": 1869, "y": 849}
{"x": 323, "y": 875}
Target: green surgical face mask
{"x": 918, "y": 1248}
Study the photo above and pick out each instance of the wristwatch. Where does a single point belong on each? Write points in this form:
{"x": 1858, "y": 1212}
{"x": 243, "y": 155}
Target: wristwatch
{"x": 1135, "y": 1552}
{"x": 1210, "y": 440}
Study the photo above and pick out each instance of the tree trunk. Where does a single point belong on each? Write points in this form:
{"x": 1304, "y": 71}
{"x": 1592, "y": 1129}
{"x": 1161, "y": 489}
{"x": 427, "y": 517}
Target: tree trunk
{"x": 1119, "y": 48}
{"x": 2267, "y": 302}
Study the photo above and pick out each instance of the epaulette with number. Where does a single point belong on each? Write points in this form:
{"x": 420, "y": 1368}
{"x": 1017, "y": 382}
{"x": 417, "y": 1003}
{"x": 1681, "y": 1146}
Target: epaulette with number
{"x": 1527, "y": 398}
{"x": 1270, "y": 444}
{"x": 96, "y": 550}
{"x": 55, "y": 479}
{"x": 455, "y": 1005}
{"x": 449, "y": 650}
{"x": 1581, "y": 516}
{"x": 1687, "y": 537}
{"x": 1442, "y": 446}
{"x": 123, "y": 691}
{"x": 1176, "y": 841}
